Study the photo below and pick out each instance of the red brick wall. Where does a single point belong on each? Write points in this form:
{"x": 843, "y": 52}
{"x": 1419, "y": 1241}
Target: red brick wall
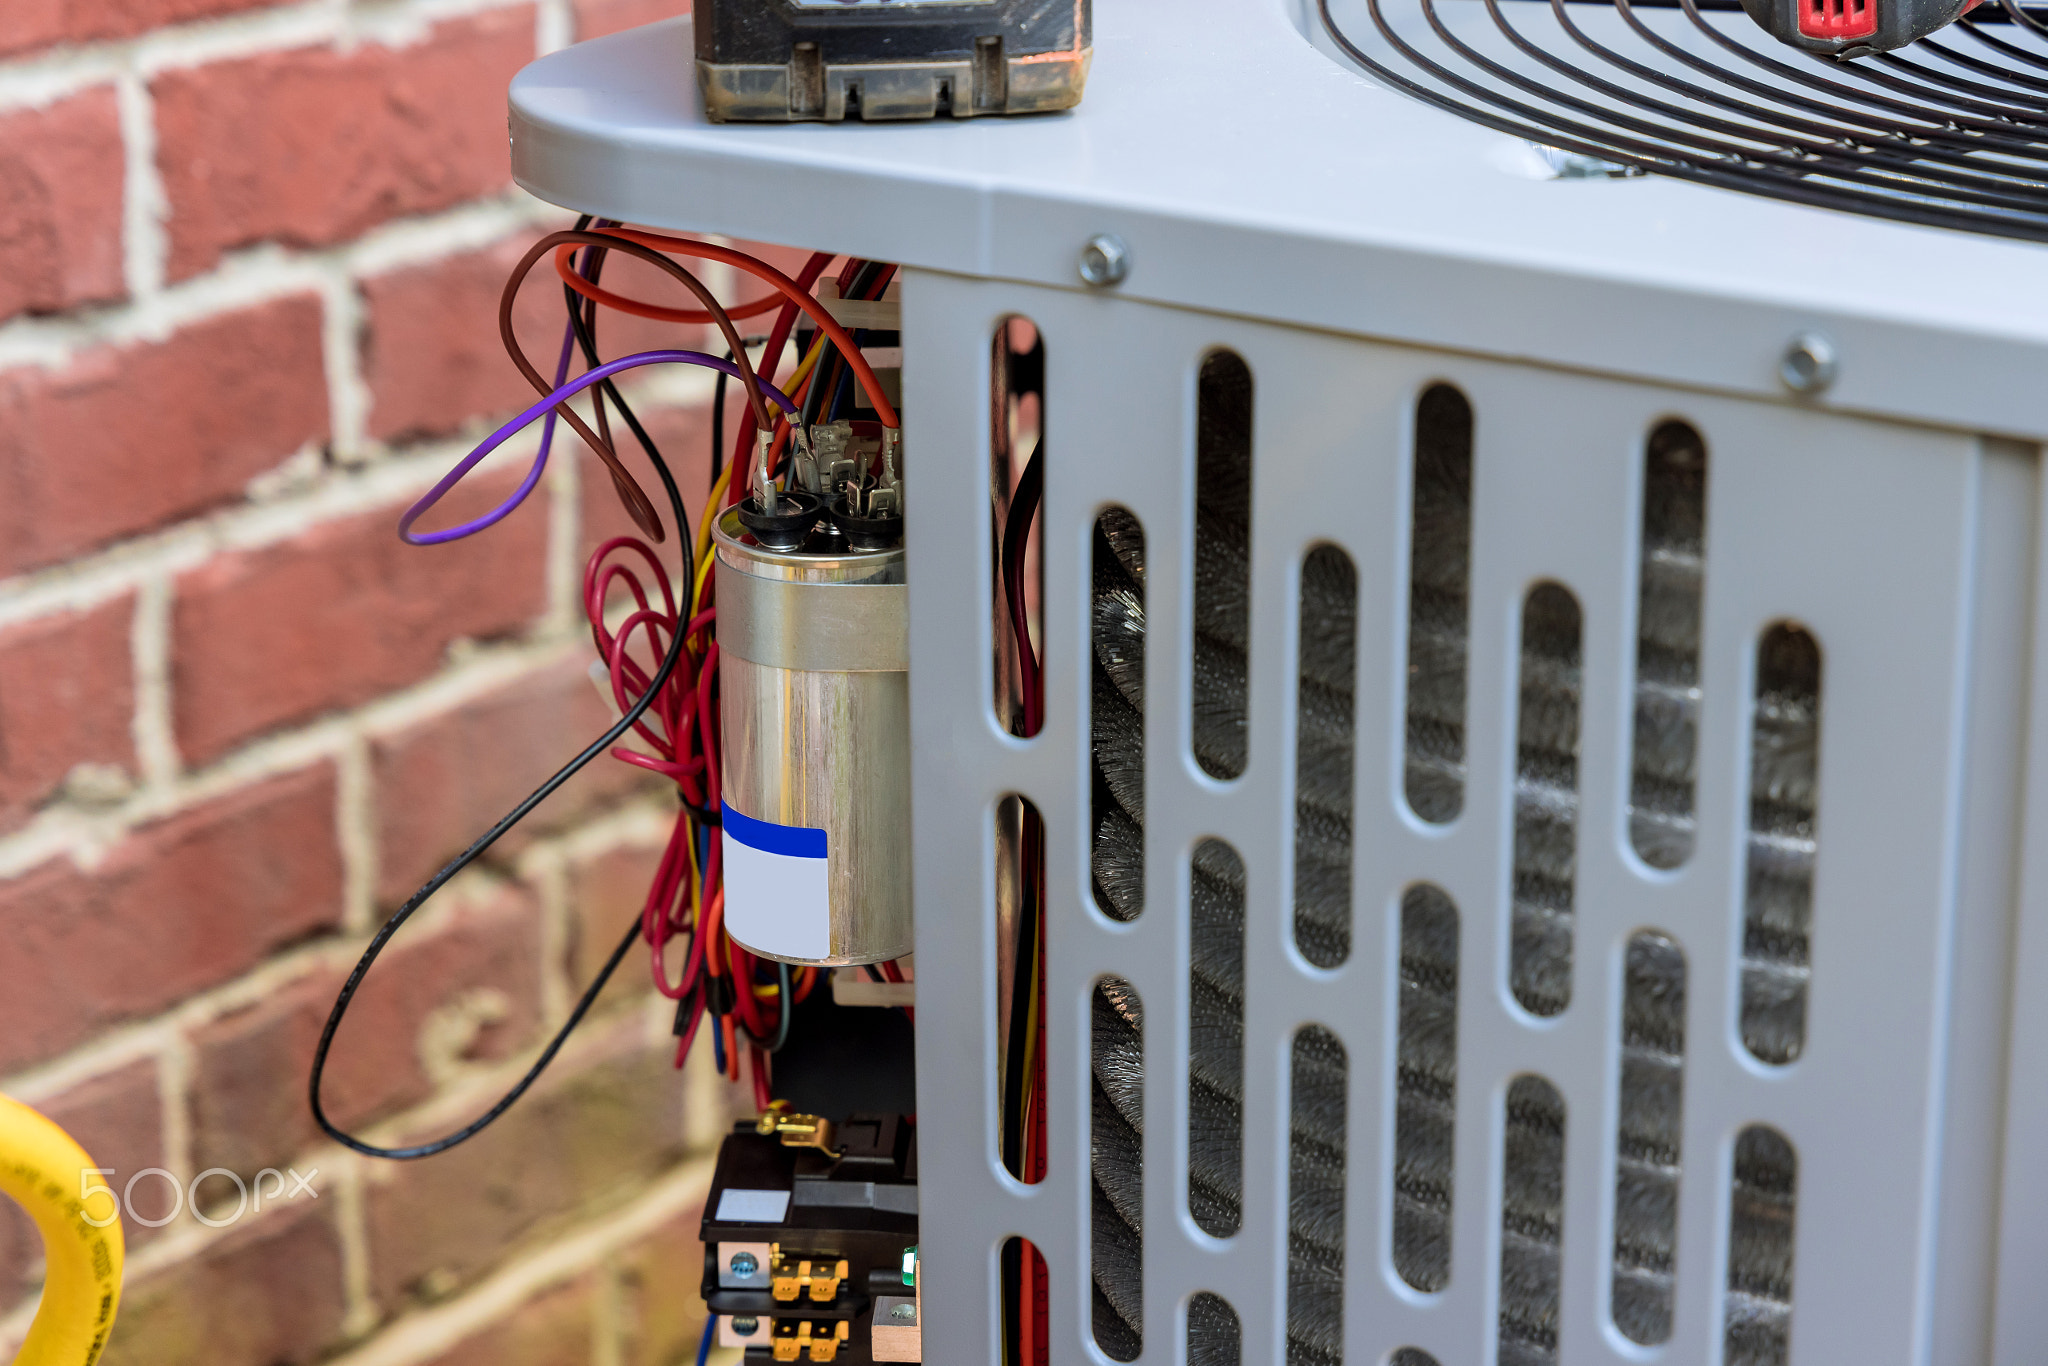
{"x": 250, "y": 256}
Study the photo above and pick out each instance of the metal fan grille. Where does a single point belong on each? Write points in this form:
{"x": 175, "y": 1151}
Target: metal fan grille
{"x": 1951, "y": 131}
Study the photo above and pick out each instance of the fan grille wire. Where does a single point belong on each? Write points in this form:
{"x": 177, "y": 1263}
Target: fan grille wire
{"x": 1950, "y": 132}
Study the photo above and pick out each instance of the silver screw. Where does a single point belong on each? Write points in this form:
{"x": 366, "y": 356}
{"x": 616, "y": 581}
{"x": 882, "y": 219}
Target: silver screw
{"x": 744, "y": 1264}
{"x": 1809, "y": 365}
{"x": 1105, "y": 260}
{"x": 905, "y": 1312}
{"x": 745, "y": 1324}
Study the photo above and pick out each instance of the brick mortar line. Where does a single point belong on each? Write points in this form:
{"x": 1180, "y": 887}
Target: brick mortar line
{"x": 174, "y": 1091}
{"x": 145, "y": 247}
{"x": 608, "y": 1315}
{"x": 549, "y": 879}
{"x": 295, "y": 500}
{"x": 600, "y": 1037}
{"x": 632, "y": 826}
{"x": 546, "y": 867}
{"x": 343, "y": 325}
{"x": 257, "y": 274}
{"x": 403, "y": 23}
{"x": 352, "y": 1230}
{"x": 356, "y": 833}
{"x": 149, "y": 572}
{"x": 707, "y": 1109}
{"x": 565, "y": 540}
{"x": 43, "y": 75}
{"x": 335, "y": 493}
{"x": 299, "y": 499}
{"x": 418, "y": 1337}
{"x": 155, "y": 1037}
{"x": 466, "y": 1095}
{"x": 156, "y": 747}
{"x": 602, "y": 1230}
{"x": 554, "y": 26}
{"x": 86, "y": 834}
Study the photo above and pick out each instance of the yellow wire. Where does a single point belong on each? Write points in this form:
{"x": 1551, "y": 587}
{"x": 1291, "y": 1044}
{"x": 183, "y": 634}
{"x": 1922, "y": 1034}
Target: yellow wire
{"x": 712, "y": 507}
{"x": 47, "y": 1174}
{"x": 796, "y": 376}
{"x": 690, "y": 878}
{"x": 697, "y": 593}
{"x": 713, "y": 504}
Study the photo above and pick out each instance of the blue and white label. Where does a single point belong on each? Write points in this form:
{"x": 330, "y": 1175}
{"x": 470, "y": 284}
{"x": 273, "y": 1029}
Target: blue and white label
{"x": 778, "y": 899}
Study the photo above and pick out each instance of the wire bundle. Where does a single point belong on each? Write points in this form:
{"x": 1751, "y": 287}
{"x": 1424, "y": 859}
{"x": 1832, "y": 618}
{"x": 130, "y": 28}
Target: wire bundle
{"x": 667, "y": 692}
{"x": 1026, "y": 1302}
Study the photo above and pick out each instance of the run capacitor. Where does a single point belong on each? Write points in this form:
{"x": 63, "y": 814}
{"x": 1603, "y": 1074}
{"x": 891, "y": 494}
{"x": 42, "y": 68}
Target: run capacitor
{"x": 814, "y": 692}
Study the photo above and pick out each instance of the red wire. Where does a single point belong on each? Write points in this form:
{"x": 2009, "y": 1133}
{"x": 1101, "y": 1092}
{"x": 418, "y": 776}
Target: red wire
{"x": 771, "y": 360}
{"x": 679, "y": 731}
{"x": 796, "y": 293}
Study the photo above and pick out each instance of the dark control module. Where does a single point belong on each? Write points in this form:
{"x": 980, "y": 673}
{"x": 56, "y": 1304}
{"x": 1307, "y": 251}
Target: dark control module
{"x": 810, "y": 1239}
{"x": 775, "y": 61}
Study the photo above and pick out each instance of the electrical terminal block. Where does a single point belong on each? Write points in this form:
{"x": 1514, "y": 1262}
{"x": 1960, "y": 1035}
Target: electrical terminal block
{"x": 796, "y": 1340}
{"x": 892, "y": 451}
{"x": 794, "y": 1130}
{"x": 824, "y": 1284}
{"x": 790, "y": 1281}
{"x": 803, "y": 1242}
{"x": 832, "y": 443}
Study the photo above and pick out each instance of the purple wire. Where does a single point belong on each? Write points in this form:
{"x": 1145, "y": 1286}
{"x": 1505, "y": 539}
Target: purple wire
{"x": 546, "y": 408}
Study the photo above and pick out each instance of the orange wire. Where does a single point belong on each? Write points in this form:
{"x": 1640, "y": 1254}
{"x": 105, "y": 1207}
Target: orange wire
{"x": 714, "y": 924}
{"x": 753, "y": 308}
{"x": 787, "y": 287}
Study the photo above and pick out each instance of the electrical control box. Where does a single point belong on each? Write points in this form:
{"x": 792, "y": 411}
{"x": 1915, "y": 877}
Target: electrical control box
{"x": 778, "y": 61}
{"x": 810, "y": 1238}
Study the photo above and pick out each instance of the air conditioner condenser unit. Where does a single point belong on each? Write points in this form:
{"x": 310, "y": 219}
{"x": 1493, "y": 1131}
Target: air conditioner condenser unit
{"x": 1538, "y": 776}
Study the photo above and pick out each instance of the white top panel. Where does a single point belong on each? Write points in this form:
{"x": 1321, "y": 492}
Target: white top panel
{"x": 1249, "y": 172}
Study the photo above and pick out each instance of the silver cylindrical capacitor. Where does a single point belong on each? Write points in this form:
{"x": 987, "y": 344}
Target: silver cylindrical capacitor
{"x": 814, "y": 692}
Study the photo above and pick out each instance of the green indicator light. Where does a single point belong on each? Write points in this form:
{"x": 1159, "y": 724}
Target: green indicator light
{"x": 910, "y": 1266}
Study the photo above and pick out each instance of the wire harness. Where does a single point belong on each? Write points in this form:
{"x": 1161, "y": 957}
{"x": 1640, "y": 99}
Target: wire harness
{"x": 661, "y": 656}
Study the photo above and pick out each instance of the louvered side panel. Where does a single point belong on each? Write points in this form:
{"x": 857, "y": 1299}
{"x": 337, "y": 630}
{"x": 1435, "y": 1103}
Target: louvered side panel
{"x": 1898, "y": 550}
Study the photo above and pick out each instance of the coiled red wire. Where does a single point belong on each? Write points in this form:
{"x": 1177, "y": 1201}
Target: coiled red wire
{"x": 679, "y": 731}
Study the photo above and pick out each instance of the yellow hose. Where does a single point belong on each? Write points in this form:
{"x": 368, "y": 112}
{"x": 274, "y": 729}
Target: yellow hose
{"x": 51, "y": 1177}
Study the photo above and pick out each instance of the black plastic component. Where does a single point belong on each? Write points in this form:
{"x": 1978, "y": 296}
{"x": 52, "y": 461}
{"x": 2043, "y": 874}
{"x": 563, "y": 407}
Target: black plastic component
{"x": 780, "y": 60}
{"x": 867, "y": 533}
{"x": 858, "y": 1203}
{"x": 796, "y": 512}
{"x": 840, "y": 1059}
{"x": 767, "y": 31}
{"x": 1853, "y": 28}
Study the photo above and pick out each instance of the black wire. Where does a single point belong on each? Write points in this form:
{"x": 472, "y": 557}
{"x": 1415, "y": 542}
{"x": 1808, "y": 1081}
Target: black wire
{"x": 469, "y": 856}
{"x": 826, "y": 382}
{"x": 788, "y": 1008}
{"x": 718, "y": 410}
{"x": 718, "y": 424}
{"x": 583, "y": 318}
{"x": 775, "y": 1044}
{"x": 842, "y": 391}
